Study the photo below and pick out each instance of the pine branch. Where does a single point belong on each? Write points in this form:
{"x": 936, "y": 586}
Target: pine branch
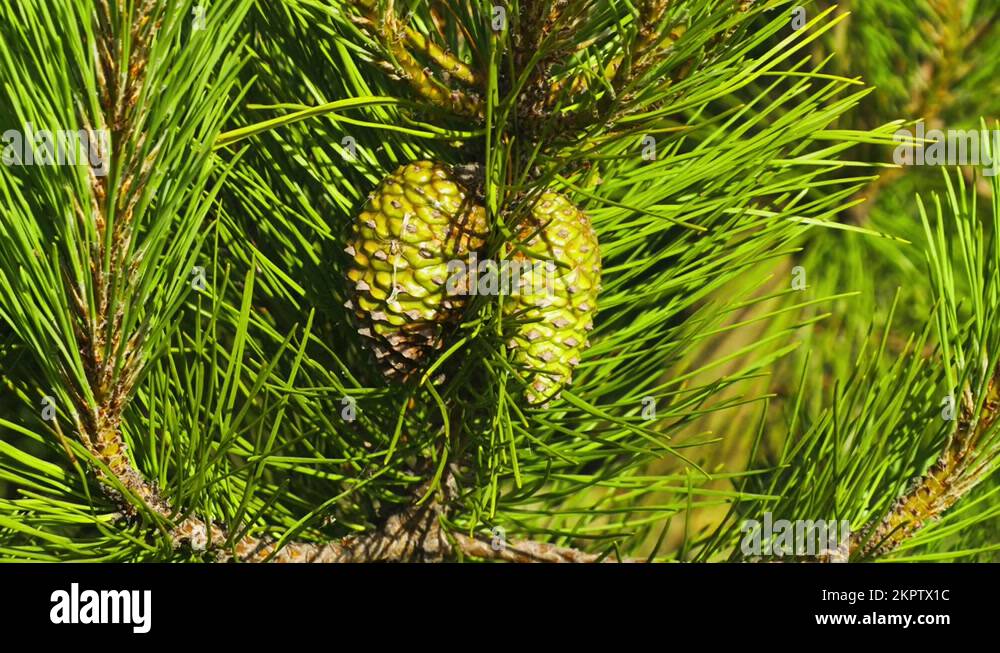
{"x": 747, "y": 158}
{"x": 393, "y": 36}
{"x": 932, "y": 88}
{"x": 953, "y": 475}
{"x": 112, "y": 356}
{"x": 414, "y": 534}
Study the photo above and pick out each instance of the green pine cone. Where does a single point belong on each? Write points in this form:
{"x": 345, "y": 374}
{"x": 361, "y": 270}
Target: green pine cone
{"x": 557, "y": 298}
{"x": 419, "y": 218}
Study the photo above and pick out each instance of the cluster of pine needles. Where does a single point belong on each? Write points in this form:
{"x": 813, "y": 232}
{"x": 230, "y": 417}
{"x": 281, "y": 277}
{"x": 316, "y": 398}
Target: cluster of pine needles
{"x": 180, "y": 380}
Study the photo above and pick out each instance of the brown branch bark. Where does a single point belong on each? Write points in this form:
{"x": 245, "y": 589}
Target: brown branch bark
{"x": 414, "y": 534}
{"x": 522, "y": 551}
{"x": 403, "y": 539}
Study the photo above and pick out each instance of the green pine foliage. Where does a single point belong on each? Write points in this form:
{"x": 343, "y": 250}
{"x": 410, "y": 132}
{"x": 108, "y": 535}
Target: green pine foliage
{"x": 190, "y": 304}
